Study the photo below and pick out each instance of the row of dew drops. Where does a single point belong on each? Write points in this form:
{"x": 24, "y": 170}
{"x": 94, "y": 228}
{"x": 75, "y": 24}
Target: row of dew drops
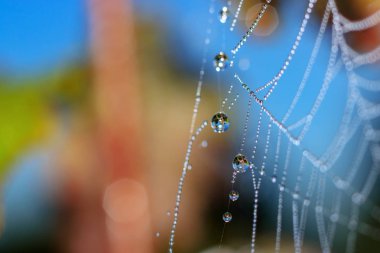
{"x": 220, "y": 122}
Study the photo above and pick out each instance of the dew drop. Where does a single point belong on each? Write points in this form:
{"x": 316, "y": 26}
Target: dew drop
{"x": 168, "y": 213}
{"x": 189, "y": 167}
{"x": 221, "y": 61}
{"x": 158, "y": 234}
{"x": 227, "y": 217}
{"x": 339, "y": 183}
{"x": 274, "y": 179}
{"x": 334, "y": 217}
{"x": 240, "y": 163}
{"x": 223, "y": 15}
{"x": 220, "y": 122}
{"x": 234, "y": 195}
{"x": 204, "y": 144}
{"x": 358, "y": 198}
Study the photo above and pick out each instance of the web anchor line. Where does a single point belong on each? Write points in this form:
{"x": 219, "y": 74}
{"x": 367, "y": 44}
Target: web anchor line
{"x": 192, "y": 136}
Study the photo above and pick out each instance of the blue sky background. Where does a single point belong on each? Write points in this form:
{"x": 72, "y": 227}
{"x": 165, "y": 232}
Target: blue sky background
{"x": 38, "y": 36}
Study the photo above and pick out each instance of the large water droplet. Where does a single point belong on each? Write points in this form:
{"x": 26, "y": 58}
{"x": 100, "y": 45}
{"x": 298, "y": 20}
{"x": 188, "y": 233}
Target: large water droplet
{"x": 240, "y": 163}
{"x": 221, "y": 61}
{"x": 234, "y": 195}
{"x": 219, "y": 122}
{"x": 227, "y": 217}
{"x": 223, "y": 15}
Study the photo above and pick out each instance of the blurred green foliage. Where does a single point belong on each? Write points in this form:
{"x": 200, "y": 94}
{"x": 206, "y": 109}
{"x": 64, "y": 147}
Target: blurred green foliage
{"x": 30, "y": 110}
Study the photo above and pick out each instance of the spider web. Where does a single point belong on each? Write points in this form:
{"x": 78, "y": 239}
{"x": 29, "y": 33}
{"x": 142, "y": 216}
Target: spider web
{"x": 336, "y": 190}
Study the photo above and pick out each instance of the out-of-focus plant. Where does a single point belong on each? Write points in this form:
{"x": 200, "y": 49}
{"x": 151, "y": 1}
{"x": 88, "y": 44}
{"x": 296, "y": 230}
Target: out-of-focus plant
{"x": 30, "y": 110}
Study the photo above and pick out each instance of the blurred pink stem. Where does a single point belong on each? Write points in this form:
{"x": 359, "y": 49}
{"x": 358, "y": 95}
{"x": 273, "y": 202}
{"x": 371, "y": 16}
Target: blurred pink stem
{"x": 118, "y": 109}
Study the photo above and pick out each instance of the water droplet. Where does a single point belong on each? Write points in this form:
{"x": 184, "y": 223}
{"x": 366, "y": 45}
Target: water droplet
{"x": 334, "y": 217}
{"x": 274, "y": 179}
{"x": 189, "y": 167}
{"x": 240, "y": 163}
{"x": 244, "y": 64}
{"x": 281, "y": 187}
{"x": 227, "y": 217}
{"x": 221, "y": 61}
{"x": 204, "y": 144}
{"x": 158, "y": 234}
{"x": 234, "y": 195}
{"x": 220, "y": 122}
{"x": 168, "y": 213}
{"x": 358, "y": 198}
{"x": 339, "y": 183}
{"x": 296, "y": 195}
{"x": 223, "y": 15}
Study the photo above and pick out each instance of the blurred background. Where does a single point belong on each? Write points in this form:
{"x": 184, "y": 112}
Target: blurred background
{"x": 96, "y": 101}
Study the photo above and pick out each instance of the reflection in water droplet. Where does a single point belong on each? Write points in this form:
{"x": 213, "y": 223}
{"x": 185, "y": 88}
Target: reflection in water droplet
{"x": 223, "y": 15}
{"x": 234, "y": 195}
{"x": 227, "y": 217}
{"x": 240, "y": 163}
{"x": 221, "y": 61}
{"x": 220, "y": 122}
